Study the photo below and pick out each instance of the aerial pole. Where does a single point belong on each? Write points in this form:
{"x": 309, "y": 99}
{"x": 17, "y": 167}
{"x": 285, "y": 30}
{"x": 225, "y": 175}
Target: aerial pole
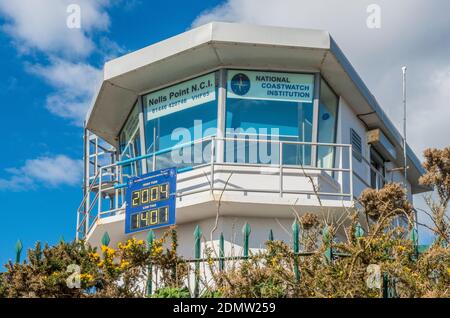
{"x": 405, "y": 162}
{"x": 405, "y": 166}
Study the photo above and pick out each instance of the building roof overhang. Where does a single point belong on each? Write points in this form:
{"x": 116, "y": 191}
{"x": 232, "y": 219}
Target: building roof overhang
{"x": 219, "y": 44}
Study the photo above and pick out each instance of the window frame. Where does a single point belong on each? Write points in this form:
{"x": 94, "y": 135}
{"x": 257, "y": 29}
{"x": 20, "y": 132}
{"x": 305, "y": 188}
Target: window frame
{"x": 221, "y": 97}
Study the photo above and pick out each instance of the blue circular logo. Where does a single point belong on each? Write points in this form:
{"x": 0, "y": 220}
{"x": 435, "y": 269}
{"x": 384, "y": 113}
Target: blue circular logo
{"x": 326, "y": 116}
{"x": 240, "y": 84}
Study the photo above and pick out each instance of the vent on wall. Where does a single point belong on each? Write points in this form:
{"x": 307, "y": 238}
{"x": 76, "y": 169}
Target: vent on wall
{"x": 357, "y": 144}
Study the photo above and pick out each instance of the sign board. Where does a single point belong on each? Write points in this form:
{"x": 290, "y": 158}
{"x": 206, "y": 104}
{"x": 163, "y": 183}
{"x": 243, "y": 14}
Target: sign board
{"x": 287, "y": 87}
{"x": 188, "y": 94}
{"x": 150, "y": 201}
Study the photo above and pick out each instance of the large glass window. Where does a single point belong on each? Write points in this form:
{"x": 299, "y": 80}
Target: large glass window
{"x": 130, "y": 144}
{"x": 272, "y": 107}
{"x": 328, "y": 107}
{"x": 177, "y": 117}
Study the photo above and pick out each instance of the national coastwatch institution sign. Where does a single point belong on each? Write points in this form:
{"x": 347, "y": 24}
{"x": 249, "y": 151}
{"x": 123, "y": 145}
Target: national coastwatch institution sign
{"x": 288, "y": 87}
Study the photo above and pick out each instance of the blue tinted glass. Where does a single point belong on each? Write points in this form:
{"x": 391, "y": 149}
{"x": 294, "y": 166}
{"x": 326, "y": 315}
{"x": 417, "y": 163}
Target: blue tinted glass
{"x": 328, "y": 107}
{"x": 193, "y": 121}
{"x": 130, "y": 144}
{"x": 280, "y": 120}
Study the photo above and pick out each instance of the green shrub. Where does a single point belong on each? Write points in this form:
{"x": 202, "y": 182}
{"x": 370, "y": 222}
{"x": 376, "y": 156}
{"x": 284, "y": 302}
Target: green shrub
{"x": 170, "y": 292}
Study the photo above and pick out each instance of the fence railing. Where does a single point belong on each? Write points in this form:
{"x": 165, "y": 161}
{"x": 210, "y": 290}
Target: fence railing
{"x": 106, "y": 191}
{"x": 330, "y": 254}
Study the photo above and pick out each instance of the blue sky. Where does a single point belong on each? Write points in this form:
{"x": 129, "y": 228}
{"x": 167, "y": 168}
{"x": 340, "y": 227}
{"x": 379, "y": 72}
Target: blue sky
{"x": 43, "y": 208}
{"x": 49, "y": 74}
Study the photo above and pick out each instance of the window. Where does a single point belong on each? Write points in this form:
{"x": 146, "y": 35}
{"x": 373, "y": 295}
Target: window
{"x": 130, "y": 144}
{"x": 356, "y": 142}
{"x": 377, "y": 173}
{"x": 328, "y": 107}
{"x": 270, "y": 107}
{"x": 179, "y": 115}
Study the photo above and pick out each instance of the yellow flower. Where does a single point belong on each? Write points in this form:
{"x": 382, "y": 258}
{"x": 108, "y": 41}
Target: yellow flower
{"x": 101, "y": 263}
{"x": 124, "y": 264}
{"x": 401, "y": 248}
{"x": 87, "y": 277}
{"x": 108, "y": 251}
{"x": 448, "y": 270}
{"x": 94, "y": 256}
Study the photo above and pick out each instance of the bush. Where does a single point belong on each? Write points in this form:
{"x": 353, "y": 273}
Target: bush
{"x": 171, "y": 292}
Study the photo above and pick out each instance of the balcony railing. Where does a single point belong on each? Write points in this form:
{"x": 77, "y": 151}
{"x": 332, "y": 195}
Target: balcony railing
{"x": 106, "y": 191}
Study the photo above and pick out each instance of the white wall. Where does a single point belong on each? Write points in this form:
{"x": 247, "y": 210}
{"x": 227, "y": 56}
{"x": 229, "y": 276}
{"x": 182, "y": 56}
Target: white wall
{"x": 347, "y": 119}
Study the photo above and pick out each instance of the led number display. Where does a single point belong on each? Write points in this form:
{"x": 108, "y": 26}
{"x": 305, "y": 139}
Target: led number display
{"x": 159, "y": 216}
{"x": 150, "y": 195}
{"x": 151, "y": 201}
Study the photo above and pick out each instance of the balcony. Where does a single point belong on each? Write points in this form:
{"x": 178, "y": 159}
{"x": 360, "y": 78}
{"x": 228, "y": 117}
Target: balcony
{"x": 243, "y": 186}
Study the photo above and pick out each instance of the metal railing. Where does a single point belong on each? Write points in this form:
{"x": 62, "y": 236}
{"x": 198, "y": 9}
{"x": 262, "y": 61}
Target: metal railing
{"x": 109, "y": 182}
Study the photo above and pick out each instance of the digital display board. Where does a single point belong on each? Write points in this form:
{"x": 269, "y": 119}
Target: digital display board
{"x": 150, "y": 201}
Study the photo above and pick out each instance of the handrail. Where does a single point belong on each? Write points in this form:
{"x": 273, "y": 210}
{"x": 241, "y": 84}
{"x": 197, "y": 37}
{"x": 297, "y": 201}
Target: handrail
{"x": 89, "y": 189}
{"x": 162, "y": 151}
{"x": 115, "y": 169}
{"x": 180, "y": 146}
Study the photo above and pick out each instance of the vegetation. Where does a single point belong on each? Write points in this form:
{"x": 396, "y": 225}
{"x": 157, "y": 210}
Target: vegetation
{"x": 375, "y": 253}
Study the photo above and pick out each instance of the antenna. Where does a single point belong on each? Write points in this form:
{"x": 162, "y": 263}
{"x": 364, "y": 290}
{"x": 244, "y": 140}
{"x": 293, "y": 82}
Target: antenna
{"x": 405, "y": 163}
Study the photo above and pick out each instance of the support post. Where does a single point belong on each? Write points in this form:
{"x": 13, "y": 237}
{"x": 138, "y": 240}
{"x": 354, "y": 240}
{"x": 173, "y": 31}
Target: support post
{"x": 221, "y": 253}
{"x": 296, "y": 248}
{"x": 221, "y": 104}
{"x": 271, "y": 236}
{"x": 246, "y": 230}
{"x": 197, "y": 252}
{"x": 150, "y": 239}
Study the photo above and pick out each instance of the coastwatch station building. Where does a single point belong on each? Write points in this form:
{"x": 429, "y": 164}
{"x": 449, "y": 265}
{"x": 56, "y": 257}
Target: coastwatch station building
{"x": 228, "y": 124}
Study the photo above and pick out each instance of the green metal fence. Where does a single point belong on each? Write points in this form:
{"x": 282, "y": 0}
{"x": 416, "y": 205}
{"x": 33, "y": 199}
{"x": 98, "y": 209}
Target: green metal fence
{"x": 329, "y": 254}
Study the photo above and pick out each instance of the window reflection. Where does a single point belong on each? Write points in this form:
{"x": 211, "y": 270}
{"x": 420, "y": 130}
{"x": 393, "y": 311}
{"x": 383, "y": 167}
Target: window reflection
{"x": 130, "y": 145}
{"x": 181, "y": 115}
{"x": 328, "y": 105}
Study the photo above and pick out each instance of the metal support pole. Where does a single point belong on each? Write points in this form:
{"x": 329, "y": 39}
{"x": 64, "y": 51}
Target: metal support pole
{"x": 99, "y": 200}
{"x": 221, "y": 114}
{"x": 350, "y": 151}
{"x": 405, "y": 163}
{"x": 281, "y": 169}
{"x": 141, "y": 133}
{"x": 315, "y": 126}
{"x": 296, "y": 248}
{"x": 197, "y": 255}
{"x": 149, "y": 287}
{"x": 221, "y": 253}
{"x": 213, "y": 141}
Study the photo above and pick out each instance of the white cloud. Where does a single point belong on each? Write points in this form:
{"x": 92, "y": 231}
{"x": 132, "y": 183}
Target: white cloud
{"x": 41, "y": 25}
{"x": 74, "y": 83}
{"x": 45, "y": 171}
